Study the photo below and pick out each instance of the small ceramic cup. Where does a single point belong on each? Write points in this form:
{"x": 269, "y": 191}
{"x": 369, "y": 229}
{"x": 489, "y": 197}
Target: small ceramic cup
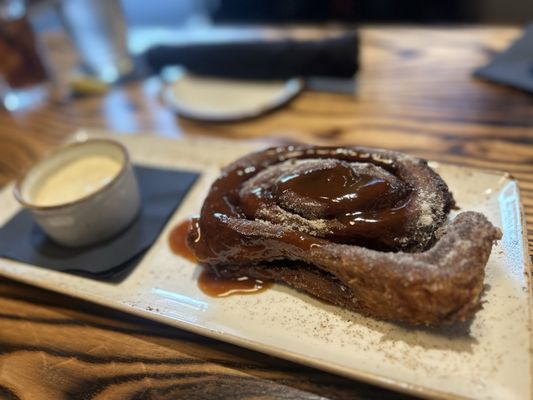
{"x": 88, "y": 216}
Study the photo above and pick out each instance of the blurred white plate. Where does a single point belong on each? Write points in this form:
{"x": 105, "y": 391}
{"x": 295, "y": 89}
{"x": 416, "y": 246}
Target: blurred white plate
{"x": 492, "y": 360}
{"x": 218, "y": 100}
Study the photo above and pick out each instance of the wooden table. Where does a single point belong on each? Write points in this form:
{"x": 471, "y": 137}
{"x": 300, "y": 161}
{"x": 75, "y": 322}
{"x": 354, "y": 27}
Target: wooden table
{"x": 415, "y": 94}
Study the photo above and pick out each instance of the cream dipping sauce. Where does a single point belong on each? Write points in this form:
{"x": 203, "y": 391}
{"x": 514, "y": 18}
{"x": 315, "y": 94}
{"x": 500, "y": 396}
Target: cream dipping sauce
{"x": 76, "y": 179}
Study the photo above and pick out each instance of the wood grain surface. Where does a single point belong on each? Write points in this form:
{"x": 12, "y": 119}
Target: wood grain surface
{"x": 415, "y": 94}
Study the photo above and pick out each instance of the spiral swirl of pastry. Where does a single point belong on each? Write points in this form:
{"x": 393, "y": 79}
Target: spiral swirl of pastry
{"x": 358, "y": 227}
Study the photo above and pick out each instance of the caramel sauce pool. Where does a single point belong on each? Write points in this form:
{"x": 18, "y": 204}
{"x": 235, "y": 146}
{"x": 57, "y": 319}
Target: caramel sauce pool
{"x": 177, "y": 240}
{"x": 215, "y": 286}
{"x": 209, "y": 282}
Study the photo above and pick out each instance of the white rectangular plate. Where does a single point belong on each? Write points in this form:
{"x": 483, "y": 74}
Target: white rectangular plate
{"x": 492, "y": 360}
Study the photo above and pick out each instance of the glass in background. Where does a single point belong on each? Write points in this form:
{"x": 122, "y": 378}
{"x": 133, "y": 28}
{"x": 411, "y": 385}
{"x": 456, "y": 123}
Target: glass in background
{"x": 23, "y": 74}
{"x": 98, "y": 30}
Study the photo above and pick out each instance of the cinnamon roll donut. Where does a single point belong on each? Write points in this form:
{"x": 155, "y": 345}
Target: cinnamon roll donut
{"x": 361, "y": 228}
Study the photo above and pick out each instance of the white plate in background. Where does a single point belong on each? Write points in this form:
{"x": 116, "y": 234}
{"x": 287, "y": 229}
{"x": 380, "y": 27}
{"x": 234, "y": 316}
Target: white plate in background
{"x": 223, "y": 100}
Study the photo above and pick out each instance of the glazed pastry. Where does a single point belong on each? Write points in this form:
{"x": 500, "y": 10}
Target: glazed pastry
{"x": 361, "y": 228}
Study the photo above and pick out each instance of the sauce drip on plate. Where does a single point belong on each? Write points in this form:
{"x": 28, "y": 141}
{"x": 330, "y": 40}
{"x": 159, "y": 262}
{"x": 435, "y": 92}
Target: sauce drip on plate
{"x": 177, "y": 240}
{"x": 215, "y": 286}
{"x": 208, "y": 282}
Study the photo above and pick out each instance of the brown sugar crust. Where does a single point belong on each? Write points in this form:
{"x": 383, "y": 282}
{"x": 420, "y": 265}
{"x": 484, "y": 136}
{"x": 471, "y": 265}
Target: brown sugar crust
{"x": 360, "y": 228}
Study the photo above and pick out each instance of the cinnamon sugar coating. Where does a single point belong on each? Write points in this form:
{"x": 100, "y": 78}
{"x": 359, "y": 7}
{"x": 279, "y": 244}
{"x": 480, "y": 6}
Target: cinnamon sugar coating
{"x": 361, "y": 228}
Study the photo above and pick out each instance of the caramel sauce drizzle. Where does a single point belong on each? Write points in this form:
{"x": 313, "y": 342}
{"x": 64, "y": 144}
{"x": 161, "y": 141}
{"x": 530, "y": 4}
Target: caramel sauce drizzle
{"x": 370, "y": 205}
{"x": 177, "y": 240}
{"x": 215, "y": 286}
{"x": 209, "y": 282}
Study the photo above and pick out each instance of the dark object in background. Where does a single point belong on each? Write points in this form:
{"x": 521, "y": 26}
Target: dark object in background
{"x": 332, "y": 57}
{"x": 20, "y": 62}
{"x": 514, "y": 66}
{"x": 273, "y": 11}
{"x": 176, "y": 13}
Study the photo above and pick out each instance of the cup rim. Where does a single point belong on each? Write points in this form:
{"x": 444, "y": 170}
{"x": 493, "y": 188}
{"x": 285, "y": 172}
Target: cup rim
{"x": 17, "y": 189}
